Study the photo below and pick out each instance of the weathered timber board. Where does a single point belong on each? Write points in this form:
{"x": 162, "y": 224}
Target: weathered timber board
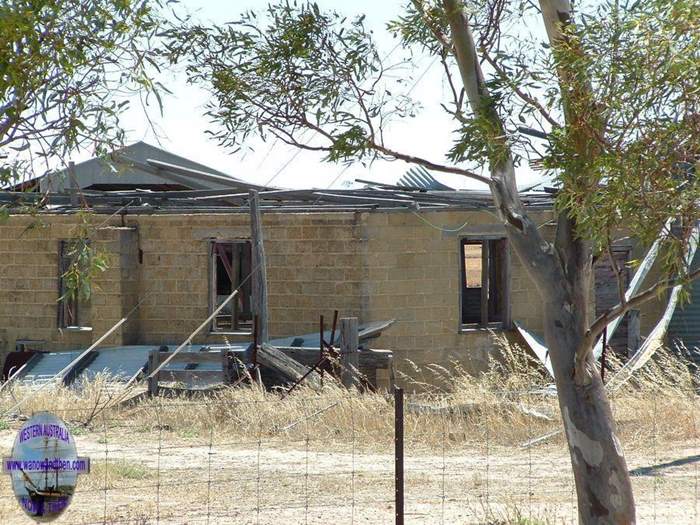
{"x": 287, "y": 366}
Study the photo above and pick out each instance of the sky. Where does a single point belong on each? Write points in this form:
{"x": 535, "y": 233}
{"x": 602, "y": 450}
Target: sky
{"x": 181, "y": 128}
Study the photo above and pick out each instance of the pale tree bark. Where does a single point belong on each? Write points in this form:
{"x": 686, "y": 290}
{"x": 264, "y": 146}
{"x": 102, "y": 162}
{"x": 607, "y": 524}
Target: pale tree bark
{"x": 562, "y": 274}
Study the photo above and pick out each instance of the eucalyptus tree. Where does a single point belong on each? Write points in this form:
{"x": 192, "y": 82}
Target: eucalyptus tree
{"x": 603, "y": 97}
{"x": 68, "y": 70}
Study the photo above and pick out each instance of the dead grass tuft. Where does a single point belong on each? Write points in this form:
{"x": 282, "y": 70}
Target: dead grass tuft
{"x": 508, "y": 404}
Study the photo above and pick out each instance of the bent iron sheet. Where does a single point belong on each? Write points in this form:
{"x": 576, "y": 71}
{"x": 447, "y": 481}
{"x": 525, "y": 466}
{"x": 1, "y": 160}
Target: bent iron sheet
{"x": 538, "y": 346}
{"x": 636, "y": 282}
{"x": 656, "y": 338}
{"x": 652, "y": 343}
{"x": 122, "y": 363}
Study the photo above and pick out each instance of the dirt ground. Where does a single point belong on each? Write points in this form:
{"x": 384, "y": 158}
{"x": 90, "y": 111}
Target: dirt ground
{"x": 169, "y": 478}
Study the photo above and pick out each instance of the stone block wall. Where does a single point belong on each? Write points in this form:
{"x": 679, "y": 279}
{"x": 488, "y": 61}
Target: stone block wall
{"x": 29, "y": 282}
{"x": 415, "y": 278}
{"x": 313, "y": 265}
{"x": 402, "y": 265}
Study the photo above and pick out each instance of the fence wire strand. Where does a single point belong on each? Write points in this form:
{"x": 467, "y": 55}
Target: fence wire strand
{"x": 458, "y": 468}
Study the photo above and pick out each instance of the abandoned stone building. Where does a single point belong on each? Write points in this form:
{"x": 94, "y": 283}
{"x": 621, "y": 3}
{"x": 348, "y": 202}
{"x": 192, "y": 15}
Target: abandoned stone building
{"x": 435, "y": 261}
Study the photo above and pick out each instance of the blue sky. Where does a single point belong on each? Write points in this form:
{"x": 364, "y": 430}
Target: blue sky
{"x": 182, "y": 127}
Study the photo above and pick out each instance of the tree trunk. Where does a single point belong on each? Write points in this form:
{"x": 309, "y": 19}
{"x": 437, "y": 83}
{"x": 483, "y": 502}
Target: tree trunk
{"x": 602, "y": 481}
{"x": 561, "y": 272}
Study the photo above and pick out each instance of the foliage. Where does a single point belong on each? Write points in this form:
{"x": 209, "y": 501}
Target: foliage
{"x": 68, "y": 71}
{"x": 617, "y": 102}
{"x": 292, "y": 70}
{"x": 643, "y": 62}
{"x": 86, "y": 262}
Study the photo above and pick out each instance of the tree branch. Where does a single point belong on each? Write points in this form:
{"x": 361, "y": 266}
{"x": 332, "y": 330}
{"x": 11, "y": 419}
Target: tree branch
{"x": 435, "y": 30}
{"x": 522, "y": 232}
{"x": 504, "y": 188}
{"x": 429, "y": 164}
{"x": 291, "y": 141}
{"x": 458, "y": 100}
{"x": 523, "y": 96}
{"x": 618, "y": 272}
{"x": 578, "y": 102}
{"x": 578, "y": 106}
{"x": 650, "y": 293}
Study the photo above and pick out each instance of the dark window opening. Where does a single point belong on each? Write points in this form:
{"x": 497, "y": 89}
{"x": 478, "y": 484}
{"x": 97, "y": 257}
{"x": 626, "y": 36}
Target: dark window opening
{"x": 607, "y": 294}
{"x": 484, "y": 284}
{"x": 73, "y": 310}
{"x": 231, "y": 265}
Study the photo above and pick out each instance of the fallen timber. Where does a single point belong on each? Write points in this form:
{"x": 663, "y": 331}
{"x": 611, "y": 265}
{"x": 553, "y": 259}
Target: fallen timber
{"x": 476, "y": 409}
{"x": 279, "y": 366}
{"x": 291, "y": 369}
{"x": 203, "y": 367}
{"x": 369, "y": 360}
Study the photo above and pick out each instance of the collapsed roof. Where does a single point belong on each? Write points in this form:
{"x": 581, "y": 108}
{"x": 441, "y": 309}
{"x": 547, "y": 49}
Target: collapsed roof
{"x": 123, "y": 364}
{"x": 143, "y": 179}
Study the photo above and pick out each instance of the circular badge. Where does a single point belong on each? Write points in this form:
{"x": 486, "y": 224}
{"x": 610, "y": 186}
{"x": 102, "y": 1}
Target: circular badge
{"x": 44, "y": 466}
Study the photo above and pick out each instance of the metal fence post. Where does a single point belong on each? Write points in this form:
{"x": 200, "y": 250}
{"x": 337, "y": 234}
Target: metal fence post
{"x": 398, "y": 454}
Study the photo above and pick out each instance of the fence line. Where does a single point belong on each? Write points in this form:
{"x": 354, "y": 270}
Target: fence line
{"x": 158, "y": 462}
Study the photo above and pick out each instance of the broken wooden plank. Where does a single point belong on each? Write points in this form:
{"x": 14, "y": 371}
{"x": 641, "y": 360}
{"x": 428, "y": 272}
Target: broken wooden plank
{"x": 186, "y": 376}
{"x": 367, "y": 331}
{"x": 213, "y": 357}
{"x": 464, "y": 409}
{"x": 209, "y": 367}
{"x": 475, "y": 409}
{"x": 201, "y": 327}
{"x": 286, "y": 366}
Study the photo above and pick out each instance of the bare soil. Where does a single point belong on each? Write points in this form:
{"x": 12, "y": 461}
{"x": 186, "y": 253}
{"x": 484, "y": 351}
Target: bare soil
{"x": 165, "y": 477}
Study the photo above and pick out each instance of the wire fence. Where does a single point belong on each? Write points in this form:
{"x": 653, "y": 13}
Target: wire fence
{"x": 333, "y": 459}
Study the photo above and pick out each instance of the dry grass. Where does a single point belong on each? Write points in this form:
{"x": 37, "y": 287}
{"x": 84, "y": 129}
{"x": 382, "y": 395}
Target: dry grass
{"x": 660, "y": 403}
{"x": 281, "y": 457}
